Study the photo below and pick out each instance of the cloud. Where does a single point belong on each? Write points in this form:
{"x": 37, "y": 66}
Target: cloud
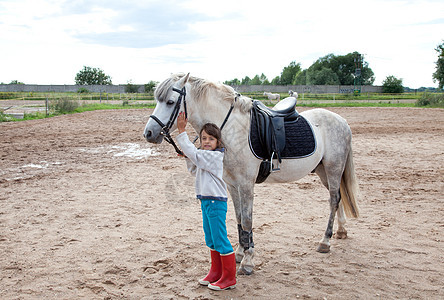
{"x": 48, "y": 41}
{"x": 137, "y": 25}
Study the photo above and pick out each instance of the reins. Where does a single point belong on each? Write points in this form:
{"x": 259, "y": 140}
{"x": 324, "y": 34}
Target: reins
{"x": 166, "y": 128}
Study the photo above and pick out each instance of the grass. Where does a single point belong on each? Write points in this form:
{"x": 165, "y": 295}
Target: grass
{"x": 357, "y": 104}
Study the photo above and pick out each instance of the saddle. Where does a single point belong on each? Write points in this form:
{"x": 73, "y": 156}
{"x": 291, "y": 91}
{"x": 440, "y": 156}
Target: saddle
{"x": 270, "y": 124}
{"x": 278, "y": 133}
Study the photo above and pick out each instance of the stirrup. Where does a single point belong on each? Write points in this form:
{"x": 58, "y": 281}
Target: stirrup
{"x": 272, "y": 166}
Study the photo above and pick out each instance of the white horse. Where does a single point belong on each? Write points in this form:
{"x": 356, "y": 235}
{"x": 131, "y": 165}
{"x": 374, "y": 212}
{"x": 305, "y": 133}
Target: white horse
{"x": 272, "y": 96}
{"x": 293, "y": 94}
{"x": 207, "y": 102}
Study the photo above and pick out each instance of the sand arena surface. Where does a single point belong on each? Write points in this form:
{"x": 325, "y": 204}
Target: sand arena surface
{"x": 89, "y": 210}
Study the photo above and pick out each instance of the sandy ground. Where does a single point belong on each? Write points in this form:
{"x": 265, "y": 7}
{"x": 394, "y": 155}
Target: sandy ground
{"x": 89, "y": 210}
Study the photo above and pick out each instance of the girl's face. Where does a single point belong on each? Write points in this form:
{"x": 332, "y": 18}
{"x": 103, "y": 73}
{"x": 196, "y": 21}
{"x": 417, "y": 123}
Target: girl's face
{"x": 208, "y": 142}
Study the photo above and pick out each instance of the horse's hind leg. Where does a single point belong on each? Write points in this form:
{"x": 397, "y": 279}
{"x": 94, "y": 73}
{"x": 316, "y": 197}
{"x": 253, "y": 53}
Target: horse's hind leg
{"x": 332, "y": 183}
{"x": 341, "y": 233}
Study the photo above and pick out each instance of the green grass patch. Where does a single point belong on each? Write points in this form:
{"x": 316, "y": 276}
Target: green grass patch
{"x": 356, "y": 104}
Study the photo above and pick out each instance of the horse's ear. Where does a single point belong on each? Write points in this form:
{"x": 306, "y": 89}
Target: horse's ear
{"x": 184, "y": 80}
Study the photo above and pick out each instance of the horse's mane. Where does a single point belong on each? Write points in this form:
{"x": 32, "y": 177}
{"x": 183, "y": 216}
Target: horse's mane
{"x": 201, "y": 88}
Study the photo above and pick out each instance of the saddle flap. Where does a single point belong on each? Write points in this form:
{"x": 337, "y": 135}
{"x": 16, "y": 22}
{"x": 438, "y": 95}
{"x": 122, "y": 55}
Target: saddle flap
{"x": 278, "y": 131}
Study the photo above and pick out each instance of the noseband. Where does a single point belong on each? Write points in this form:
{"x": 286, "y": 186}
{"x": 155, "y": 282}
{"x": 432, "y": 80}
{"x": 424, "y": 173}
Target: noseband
{"x": 166, "y": 128}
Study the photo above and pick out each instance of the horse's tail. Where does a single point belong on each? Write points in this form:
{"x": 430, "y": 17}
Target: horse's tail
{"x": 349, "y": 188}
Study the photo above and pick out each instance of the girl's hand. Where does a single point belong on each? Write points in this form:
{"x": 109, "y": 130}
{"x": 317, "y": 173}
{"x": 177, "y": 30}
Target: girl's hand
{"x": 181, "y": 122}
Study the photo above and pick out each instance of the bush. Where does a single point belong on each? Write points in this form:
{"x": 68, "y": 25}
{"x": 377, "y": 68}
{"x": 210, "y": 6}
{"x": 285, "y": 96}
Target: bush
{"x": 149, "y": 87}
{"x": 64, "y": 105}
{"x": 429, "y": 99}
{"x": 82, "y": 91}
{"x": 7, "y": 95}
{"x": 131, "y": 88}
{"x": 392, "y": 85}
{"x": 5, "y": 118}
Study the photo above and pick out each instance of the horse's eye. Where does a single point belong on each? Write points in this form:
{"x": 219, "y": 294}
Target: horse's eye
{"x": 170, "y": 102}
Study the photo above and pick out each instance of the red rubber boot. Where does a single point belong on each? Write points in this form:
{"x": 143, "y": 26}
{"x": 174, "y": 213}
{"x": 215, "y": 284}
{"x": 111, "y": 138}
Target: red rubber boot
{"x": 228, "y": 279}
{"x": 215, "y": 269}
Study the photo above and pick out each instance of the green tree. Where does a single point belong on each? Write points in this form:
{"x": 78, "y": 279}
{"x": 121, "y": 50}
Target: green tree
{"x": 255, "y": 81}
{"x": 276, "y": 81}
{"x": 246, "y": 80}
{"x": 392, "y": 85}
{"x": 90, "y": 76}
{"x": 344, "y": 66}
{"x": 324, "y": 76}
{"x": 264, "y": 79}
{"x": 301, "y": 78}
{"x": 439, "y": 73}
{"x": 235, "y": 81}
{"x": 131, "y": 88}
{"x": 149, "y": 87}
{"x": 16, "y": 82}
{"x": 289, "y": 73}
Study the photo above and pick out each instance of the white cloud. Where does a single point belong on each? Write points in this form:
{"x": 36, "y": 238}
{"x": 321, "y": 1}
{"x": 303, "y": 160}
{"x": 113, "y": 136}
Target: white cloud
{"x": 48, "y": 42}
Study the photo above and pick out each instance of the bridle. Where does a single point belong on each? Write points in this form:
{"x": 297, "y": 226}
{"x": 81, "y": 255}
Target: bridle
{"x": 166, "y": 128}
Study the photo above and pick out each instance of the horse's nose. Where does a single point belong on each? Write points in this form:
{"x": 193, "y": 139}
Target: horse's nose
{"x": 148, "y": 134}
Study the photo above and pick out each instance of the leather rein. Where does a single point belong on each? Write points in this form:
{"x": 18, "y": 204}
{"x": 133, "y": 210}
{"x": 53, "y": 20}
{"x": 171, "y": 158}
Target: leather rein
{"x": 166, "y": 128}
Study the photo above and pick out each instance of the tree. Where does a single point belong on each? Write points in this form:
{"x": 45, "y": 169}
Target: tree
{"x": 255, "y": 81}
{"x": 439, "y": 73}
{"x": 344, "y": 67}
{"x": 324, "y": 76}
{"x": 149, "y": 87}
{"x": 264, "y": 79}
{"x": 131, "y": 88}
{"x": 16, "y": 82}
{"x": 276, "y": 81}
{"x": 90, "y": 76}
{"x": 392, "y": 85}
{"x": 289, "y": 73}
{"x": 235, "y": 81}
{"x": 301, "y": 78}
{"x": 246, "y": 80}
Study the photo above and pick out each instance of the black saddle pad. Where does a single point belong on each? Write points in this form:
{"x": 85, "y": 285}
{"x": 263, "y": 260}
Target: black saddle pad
{"x": 299, "y": 139}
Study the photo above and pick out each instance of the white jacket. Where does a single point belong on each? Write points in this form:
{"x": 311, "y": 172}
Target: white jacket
{"x": 208, "y": 167}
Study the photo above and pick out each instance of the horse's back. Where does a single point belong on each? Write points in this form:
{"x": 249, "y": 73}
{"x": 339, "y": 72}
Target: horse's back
{"x": 332, "y": 131}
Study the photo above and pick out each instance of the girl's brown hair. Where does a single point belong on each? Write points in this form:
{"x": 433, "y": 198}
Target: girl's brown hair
{"x": 213, "y": 130}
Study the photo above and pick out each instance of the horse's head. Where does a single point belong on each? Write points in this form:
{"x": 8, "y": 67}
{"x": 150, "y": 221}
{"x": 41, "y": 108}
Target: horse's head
{"x": 170, "y": 97}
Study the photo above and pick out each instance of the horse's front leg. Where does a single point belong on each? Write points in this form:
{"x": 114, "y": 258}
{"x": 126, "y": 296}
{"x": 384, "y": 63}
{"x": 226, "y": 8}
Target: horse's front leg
{"x": 245, "y": 229}
{"x": 234, "y": 192}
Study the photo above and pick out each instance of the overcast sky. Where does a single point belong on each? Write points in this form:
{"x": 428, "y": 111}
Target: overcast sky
{"x": 49, "y": 41}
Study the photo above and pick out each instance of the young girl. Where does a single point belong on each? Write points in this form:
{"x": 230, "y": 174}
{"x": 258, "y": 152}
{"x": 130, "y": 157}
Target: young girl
{"x": 207, "y": 165}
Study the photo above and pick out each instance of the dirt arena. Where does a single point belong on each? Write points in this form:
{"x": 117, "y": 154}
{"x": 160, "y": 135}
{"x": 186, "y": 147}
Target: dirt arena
{"x": 89, "y": 210}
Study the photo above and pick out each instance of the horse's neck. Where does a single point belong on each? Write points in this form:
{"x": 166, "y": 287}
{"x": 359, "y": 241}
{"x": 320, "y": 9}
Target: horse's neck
{"x": 212, "y": 111}
{"x": 215, "y": 111}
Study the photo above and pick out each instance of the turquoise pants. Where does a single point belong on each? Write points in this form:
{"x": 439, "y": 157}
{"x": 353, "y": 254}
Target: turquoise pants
{"x": 214, "y": 214}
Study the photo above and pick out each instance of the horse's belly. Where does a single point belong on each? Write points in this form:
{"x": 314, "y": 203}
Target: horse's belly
{"x": 294, "y": 169}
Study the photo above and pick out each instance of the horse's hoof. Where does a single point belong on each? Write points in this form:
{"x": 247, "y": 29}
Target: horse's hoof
{"x": 341, "y": 234}
{"x": 244, "y": 271}
{"x": 323, "y": 248}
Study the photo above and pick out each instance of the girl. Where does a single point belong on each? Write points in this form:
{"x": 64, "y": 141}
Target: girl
{"x": 207, "y": 165}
